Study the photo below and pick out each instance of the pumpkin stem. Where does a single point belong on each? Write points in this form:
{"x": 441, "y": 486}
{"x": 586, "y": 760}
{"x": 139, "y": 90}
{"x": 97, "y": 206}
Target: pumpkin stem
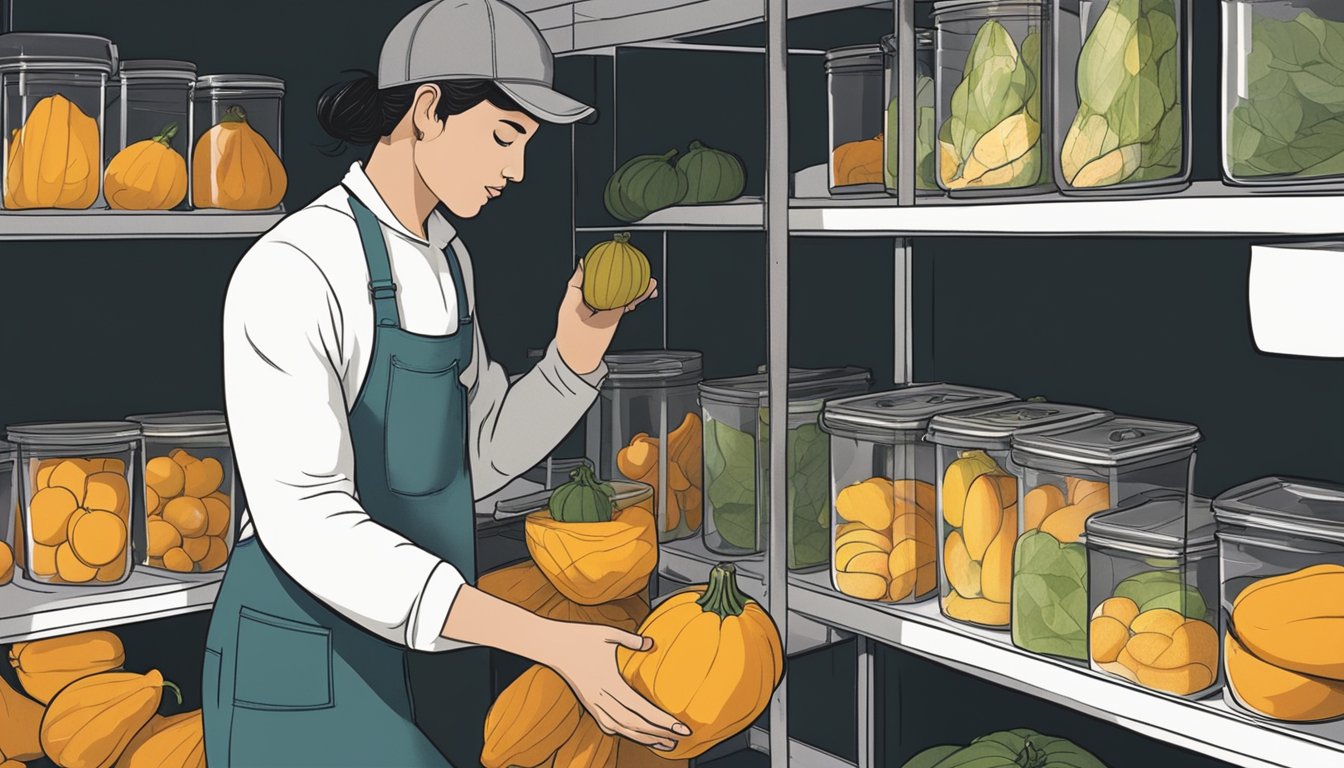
{"x": 671, "y": 153}
{"x": 176, "y": 691}
{"x": 166, "y": 135}
{"x": 721, "y": 594}
{"x": 234, "y": 114}
{"x": 1030, "y": 756}
{"x": 697, "y": 145}
{"x": 621, "y": 237}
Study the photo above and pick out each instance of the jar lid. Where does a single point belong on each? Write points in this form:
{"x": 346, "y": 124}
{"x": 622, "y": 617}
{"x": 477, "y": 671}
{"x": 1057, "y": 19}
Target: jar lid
{"x": 806, "y": 385}
{"x": 653, "y": 367}
{"x": 52, "y": 51}
{"x": 995, "y": 7}
{"x": 164, "y": 69}
{"x": 903, "y": 410}
{"x": 256, "y": 82}
{"x": 854, "y": 57}
{"x": 924, "y": 40}
{"x": 181, "y": 423}
{"x": 1298, "y": 507}
{"x": 1121, "y": 440}
{"x": 997, "y": 425}
{"x": 1158, "y": 524}
{"x": 77, "y": 433}
{"x": 6, "y": 449}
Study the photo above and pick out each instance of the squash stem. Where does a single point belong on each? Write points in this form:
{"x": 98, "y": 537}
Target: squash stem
{"x": 671, "y": 153}
{"x": 722, "y": 595}
{"x": 166, "y": 135}
{"x": 176, "y": 691}
{"x": 234, "y": 114}
{"x": 621, "y": 237}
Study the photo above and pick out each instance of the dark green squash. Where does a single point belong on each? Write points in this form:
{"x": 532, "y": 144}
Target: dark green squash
{"x": 646, "y": 183}
{"x": 583, "y": 499}
{"x": 712, "y": 175}
{"x": 1018, "y": 748}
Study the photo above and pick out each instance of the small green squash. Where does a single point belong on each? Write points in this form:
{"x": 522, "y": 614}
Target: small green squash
{"x": 583, "y": 499}
{"x": 646, "y": 183}
{"x": 712, "y": 175}
{"x": 1018, "y": 748}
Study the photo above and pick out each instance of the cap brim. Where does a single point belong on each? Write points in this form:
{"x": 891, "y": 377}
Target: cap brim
{"x": 547, "y": 104}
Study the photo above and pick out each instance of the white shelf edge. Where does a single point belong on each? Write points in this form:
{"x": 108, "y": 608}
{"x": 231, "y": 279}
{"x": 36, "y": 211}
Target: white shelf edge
{"x": 125, "y": 225}
{"x": 33, "y": 612}
{"x": 744, "y": 214}
{"x": 1208, "y": 727}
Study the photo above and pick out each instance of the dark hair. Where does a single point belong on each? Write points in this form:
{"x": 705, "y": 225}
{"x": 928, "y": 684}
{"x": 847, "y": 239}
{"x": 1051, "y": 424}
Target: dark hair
{"x": 359, "y": 112}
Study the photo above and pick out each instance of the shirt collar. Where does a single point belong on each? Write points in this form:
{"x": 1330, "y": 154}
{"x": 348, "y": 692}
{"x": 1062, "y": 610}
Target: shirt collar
{"x": 440, "y": 231}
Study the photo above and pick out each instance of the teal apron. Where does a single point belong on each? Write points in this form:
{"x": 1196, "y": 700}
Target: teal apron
{"x": 287, "y": 681}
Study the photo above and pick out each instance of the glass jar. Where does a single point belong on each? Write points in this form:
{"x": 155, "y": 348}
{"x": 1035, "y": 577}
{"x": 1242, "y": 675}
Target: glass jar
{"x": 883, "y": 476}
{"x": 1283, "y": 104}
{"x": 648, "y": 402}
{"x": 992, "y": 93}
{"x": 1281, "y": 547}
{"x": 1067, "y": 478}
{"x": 1152, "y": 594}
{"x": 54, "y": 90}
{"x": 1123, "y": 103}
{"x": 149, "y": 101}
{"x": 74, "y": 486}
{"x": 926, "y": 123}
{"x": 737, "y": 457}
{"x": 246, "y": 109}
{"x": 9, "y": 513}
{"x": 854, "y": 87}
{"x": 978, "y": 490}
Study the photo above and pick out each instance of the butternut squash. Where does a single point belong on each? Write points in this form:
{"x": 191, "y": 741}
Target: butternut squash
{"x": 588, "y": 747}
{"x": 92, "y": 720}
{"x": 530, "y": 720}
{"x": 45, "y": 667}
{"x": 179, "y": 744}
{"x": 20, "y": 722}
{"x": 1296, "y": 621}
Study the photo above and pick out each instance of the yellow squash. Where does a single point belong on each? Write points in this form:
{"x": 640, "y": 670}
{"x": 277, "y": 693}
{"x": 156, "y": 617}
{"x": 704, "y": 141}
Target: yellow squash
{"x": 233, "y": 167}
{"x": 615, "y": 273}
{"x": 53, "y": 158}
{"x": 148, "y": 175}
{"x": 20, "y": 723}
{"x": 45, "y": 667}
{"x": 92, "y": 720}
{"x": 530, "y": 720}
{"x": 595, "y": 563}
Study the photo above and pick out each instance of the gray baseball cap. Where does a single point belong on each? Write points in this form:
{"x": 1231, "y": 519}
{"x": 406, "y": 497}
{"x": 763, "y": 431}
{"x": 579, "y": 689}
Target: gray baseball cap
{"x": 478, "y": 40}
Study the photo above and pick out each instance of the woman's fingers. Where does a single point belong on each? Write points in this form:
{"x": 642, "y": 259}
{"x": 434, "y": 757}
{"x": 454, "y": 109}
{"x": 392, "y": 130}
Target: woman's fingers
{"x": 650, "y": 719}
{"x": 651, "y": 293}
{"x": 614, "y": 726}
{"x": 629, "y": 640}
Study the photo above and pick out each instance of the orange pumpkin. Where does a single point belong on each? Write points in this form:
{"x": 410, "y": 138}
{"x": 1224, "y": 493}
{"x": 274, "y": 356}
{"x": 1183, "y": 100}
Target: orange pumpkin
{"x": 233, "y": 167}
{"x": 858, "y": 162}
{"x": 599, "y": 562}
{"x": 716, "y": 659}
{"x": 148, "y": 175}
{"x": 530, "y": 720}
{"x": 631, "y": 754}
{"x": 527, "y": 587}
{"x": 179, "y": 744}
{"x": 156, "y": 723}
{"x": 20, "y": 723}
{"x": 588, "y": 747}
{"x": 53, "y": 158}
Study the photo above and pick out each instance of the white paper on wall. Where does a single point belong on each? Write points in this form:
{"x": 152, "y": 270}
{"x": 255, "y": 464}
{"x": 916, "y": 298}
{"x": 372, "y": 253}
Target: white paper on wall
{"x": 1297, "y": 299}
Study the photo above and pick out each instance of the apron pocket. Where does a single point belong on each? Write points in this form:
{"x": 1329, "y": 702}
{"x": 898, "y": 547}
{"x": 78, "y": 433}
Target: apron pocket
{"x": 281, "y": 664}
{"x": 424, "y": 429}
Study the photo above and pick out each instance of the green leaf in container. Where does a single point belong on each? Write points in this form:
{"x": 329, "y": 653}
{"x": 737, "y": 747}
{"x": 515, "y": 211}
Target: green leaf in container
{"x": 1089, "y": 138}
{"x": 736, "y": 524}
{"x": 1138, "y": 109}
{"x": 1291, "y": 43}
{"x": 1321, "y": 83}
{"x": 730, "y": 465}
{"x": 1329, "y": 35}
{"x": 1100, "y": 78}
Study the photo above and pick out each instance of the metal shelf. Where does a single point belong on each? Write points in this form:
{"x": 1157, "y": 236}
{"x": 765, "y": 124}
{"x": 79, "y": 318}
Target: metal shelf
{"x": 139, "y": 225}
{"x": 746, "y": 214}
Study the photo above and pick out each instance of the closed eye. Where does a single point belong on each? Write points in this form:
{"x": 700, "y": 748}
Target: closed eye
{"x": 502, "y": 142}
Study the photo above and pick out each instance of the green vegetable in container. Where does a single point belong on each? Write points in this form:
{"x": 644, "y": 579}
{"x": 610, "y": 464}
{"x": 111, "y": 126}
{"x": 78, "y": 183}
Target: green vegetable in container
{"x": 1018, "y": 748}
{"x": 1050, "y": 596}
{"x": 1164, "y": 589}
{"x": 730, "y": 483}
{"x": 926, "y": 175}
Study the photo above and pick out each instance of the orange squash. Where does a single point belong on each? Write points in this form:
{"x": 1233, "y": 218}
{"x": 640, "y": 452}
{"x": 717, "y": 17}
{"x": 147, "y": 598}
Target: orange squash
{"x": 588, "y": 747}
{"x": 233, "y": 167}
{"x": 716, "y": 659}
{"x": 156, "y": 723}
{"x": 6, "y": 563}
{"x": 53, "y": 158}
{"x": 20, "y": 723}
{"x": 595, "y": 563}
{"x": 527, "y": 587}
{"x": 92, "y": 720}
{"x": 45, "y": 667}
{"x": 179, "y": 744}
{"x": 530, "y": 720}
{"x": 148, "y": 175}
{"x": 631, "y": 754}
{"x": 858, "y": 162}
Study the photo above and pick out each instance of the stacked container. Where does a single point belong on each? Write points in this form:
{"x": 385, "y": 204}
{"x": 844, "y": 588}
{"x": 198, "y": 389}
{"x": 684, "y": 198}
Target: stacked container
{"x": 74, "y": 487}
{"x": 237, "y": 158}
{"x": 148, "y": 137}
{"x": 54, "y": 90}
{"x": 978, "y": 493}
{"x": 650, "y": 426}
{"x": 9, "y": 512}
{"x": 926, "y": 123}
{"x": 1153, "y": 592}
{"x": 855, "y": 89}
{"x": 737, "y": 458}
{"x": 1281, "y": 546}
{"x": 1068, "y": 477}
{"x": 883, "y": 477}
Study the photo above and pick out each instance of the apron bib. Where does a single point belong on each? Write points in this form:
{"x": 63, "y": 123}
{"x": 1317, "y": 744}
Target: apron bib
{"x": 287, "y": 681}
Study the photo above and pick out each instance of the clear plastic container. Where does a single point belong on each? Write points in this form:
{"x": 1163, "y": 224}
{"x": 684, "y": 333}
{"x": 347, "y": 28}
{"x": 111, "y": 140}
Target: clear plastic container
{"x": 1067, "y": 478}
{"x": 1122, "y": 109}
{"x": 978, "y": 494}
{"x": 54, "y": 90}
{"x": 237, "y": 156}
{"x": 185, "y": 505}
{"x": 9, "y": 513}
{"x": 1283, "y": 103}
{"x": 926, "y": 122}
{"x": 554, "y": 472}
{"x": 737, "y": 457}
{"x": 1281, "y": 547}
{"x": 149, "y": 101}
{"x": 1152, "y": 594}
{"x": 74, "y": 486}
{"x": 648, "y": 403}
{"x": 993, "y": 97}
{"x": 854, "y": 85}
{"x": 883, "y": 477}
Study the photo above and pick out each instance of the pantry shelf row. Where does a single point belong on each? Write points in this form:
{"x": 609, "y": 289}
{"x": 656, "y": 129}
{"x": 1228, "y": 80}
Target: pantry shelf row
{"x": 132, "y": 225}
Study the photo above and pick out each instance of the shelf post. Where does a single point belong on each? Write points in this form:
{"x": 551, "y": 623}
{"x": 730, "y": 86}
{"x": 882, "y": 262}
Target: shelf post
{"x": 904, "y": 12}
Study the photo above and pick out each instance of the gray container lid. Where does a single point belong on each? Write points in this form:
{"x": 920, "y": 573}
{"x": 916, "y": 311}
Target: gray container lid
{"x": 7, "y": 449}
{"x": 987, "y": 7}
{"x": 852, "y": 57}
{"x": 239, "y": 82}
{"x": 995, "y": 427}
{"x": 805, "y": 385}
{"x": 1297, "y": 507}
{"x": 56, "y": 52}
{"x": 1122, "y": 440}
{"x": 73, "y": 433}
{"x": 1157, "y": 525}
{"x": 157, "y": 69}
{"x": 925, "y": 39}
{"x": 181, "y": 423}
{"x": 903, "y": 410}
{"x": 653, "y": 368}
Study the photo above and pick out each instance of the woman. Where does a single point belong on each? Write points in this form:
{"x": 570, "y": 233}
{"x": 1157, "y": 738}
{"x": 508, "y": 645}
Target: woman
{"x": 366, "y": 417}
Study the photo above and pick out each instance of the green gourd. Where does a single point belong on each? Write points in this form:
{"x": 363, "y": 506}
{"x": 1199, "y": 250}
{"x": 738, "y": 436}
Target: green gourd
{"x": 1019, "y": 748}
{"x": 646, "y": 183}
{"x": 712, "y": 175}
{"x": 583, "y": 499}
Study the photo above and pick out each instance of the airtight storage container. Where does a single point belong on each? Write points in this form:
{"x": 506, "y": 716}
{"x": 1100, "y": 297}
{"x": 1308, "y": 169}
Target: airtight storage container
{"x": 1153, "y": 593}
{"x": 74, "y": 487}
{"x": 1281, "y": 546}
{"x": 994, "y": 103}
{"x": 854, "y": 84}
{"x": 237, "y": 157}
{"x": 650, "y": 422}
{"x": 1068, "y": 477}
{"x": 926, "y": 125}
{"x": 737, "y": 458}
{"x": 148, "y": 137}
{"x": 978, "y": 495}
{"x": 54, "y": 90}
{"x": 1123, "y": 103}
{"x": 9, "y": 513}
{"x": 883, "y": 478}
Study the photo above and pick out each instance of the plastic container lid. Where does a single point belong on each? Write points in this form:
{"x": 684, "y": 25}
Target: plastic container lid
{"x": 1157, "y": 525}
{"x": 1298, "y": 507}
{"x": 988, "y": 7}
{"x": 51, "y": 51}
{"x": 239, "y": 82}
{"x": 7, "y": 449}
{"x": 853, "y": 57}
{"x": 74, "y": 433}
{"x": 887, "y": 414}
{"x": 653, "y": 368}
{"x": 157, "y": 69}
{"x": 995, "y": 427}
{"x": 806, "y": 387}
{"x": 924, "y": 40}
{"x": 1122, "y": 440}
{"x": 181, "y": 423}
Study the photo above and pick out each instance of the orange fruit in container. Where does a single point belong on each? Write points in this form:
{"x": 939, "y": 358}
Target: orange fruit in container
{"x": 188, "y": 515}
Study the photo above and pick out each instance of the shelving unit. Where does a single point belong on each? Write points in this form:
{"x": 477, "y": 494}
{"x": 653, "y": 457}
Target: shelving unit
{"x": 132, "y": 225}
{"x": 34, "y": 611}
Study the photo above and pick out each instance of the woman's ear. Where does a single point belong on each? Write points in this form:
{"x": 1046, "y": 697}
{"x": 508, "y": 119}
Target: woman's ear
{"x": 424, "y": 117}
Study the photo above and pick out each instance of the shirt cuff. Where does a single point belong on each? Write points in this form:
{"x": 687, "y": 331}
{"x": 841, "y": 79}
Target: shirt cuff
{"x": 570, "y": 377}
{"x": 424, "y": 630}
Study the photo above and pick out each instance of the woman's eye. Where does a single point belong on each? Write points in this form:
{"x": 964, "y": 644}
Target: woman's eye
{"x": 502, "y": 142}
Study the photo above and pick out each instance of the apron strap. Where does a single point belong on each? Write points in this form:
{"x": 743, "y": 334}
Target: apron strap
{"x": 382, "y": 290}
{"x": 455, "y": 268}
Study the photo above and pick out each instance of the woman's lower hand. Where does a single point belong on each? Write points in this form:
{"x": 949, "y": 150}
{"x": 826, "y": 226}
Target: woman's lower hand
{"x": 585, "y": 656}
{"x": 583, "y": 334}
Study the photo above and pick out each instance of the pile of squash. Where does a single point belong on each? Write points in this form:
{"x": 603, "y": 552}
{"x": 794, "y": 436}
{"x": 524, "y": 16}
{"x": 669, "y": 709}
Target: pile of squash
{"x": 80, "y": 517}
{"x": 188, "y": 516}
{"x": 980, "y": 512}
{"x": 86, "y": 712}
{"x": 638, "y": 461}
{"x": 648, "y": 183}
{"x": 1158, "y": 648}
{"x": 885, "y": 549}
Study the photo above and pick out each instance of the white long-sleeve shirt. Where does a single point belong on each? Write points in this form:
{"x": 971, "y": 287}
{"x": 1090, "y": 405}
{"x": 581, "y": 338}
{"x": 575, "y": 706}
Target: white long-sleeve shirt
{"x": 298, "y": 332}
